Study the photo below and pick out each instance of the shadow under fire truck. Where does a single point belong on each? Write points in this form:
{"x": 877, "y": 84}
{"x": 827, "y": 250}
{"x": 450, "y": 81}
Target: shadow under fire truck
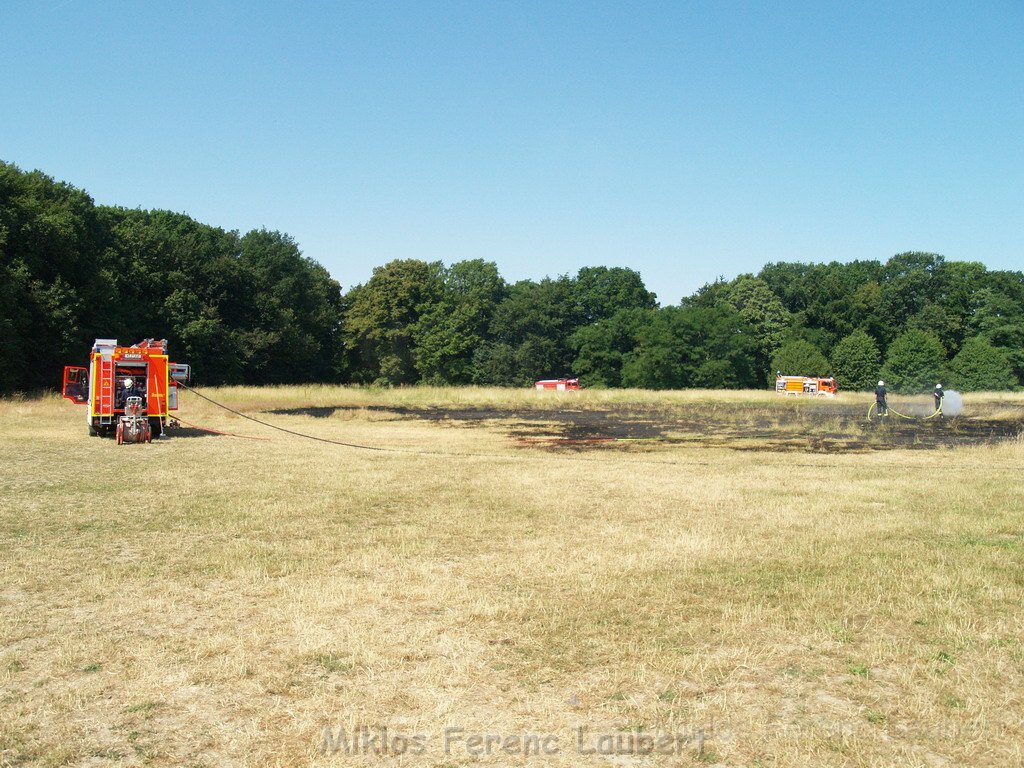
{"x": 102, "y": 388}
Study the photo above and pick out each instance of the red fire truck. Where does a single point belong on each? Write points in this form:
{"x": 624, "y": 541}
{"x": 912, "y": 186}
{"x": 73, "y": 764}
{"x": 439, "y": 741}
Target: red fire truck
{"x": 805, "y": 385}
{"x": 104, "y": 388}
{"x": 558, "y": 384}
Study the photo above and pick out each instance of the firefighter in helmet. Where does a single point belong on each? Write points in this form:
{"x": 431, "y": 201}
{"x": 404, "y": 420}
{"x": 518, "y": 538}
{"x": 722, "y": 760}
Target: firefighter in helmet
{"x": 939, "y": 395}
{"x": 880, "y": 401}
{"x": 129, "y": 390}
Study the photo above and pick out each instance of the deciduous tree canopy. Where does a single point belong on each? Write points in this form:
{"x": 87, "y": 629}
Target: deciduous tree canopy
{"x": 252, "y": 309}
{"x": 855, "y": 361}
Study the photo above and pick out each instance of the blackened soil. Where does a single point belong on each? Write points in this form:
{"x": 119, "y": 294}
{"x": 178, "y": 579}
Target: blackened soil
{"x": 826, "y": 428}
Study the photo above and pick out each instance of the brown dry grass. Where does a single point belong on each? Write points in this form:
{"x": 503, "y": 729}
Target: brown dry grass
{"x": 209, "y": 601}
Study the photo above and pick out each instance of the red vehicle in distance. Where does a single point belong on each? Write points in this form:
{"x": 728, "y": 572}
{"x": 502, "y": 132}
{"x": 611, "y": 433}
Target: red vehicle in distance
{"x": 561, "y": 385}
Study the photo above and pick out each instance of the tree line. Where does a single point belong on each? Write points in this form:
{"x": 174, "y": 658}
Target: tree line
{"x": 251, "y": 309}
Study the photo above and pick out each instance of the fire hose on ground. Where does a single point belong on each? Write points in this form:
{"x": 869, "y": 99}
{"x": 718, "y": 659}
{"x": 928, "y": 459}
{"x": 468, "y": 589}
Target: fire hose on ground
{"x": 874, "y": 406}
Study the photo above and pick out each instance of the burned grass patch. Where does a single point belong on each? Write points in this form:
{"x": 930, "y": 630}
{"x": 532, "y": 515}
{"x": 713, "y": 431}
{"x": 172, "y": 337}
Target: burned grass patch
{"x": 812, "y": 428}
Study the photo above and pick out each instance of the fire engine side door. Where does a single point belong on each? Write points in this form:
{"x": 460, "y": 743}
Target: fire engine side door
{"x": 76, "y": 384}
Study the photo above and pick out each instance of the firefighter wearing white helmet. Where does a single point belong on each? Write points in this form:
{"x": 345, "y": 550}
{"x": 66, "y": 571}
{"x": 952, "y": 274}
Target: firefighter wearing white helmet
{"x": 129, "y": 390}
{"x": 880, "y": 401}
{"x": 939, "y": 394}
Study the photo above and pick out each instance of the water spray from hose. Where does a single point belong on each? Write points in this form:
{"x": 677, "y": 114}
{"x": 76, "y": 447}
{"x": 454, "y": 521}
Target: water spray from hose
{"x": 952, "y": 403}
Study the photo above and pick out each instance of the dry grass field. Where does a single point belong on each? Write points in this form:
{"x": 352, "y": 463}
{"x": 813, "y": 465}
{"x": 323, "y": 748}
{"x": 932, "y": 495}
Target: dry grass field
{"x": 756, "y": 582}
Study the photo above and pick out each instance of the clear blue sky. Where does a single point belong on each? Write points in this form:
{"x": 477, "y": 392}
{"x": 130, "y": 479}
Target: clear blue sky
{"x": 684, "y": 139}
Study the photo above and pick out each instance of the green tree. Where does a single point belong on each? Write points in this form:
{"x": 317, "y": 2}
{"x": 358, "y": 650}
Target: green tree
{"x": 448, "y": 333}
{"x": 494, "y": 363}
{"x": 211, "y": 348}
{"x": 15, "y": 319}
{"x": 540, "y": 358}
{"x": 537, "y": 319}
{"x": 383, "y": 314}
{"x": 910, "y": 281}
{"x": 829, "y": 300}
{"x": 724, "y": 349}
{"x": 855, "y": 361}
{"x": 763, "y": 312}
{"x": 659, "y": 359}
{"x": 653, "y": 366}
{"x": 936, "y": 319}
{"x": 53, "y": 284}
{"x": 799, "y": 358}
{"x": 959, "y": 285}
{"x": 692, "y": 346}
{"x": 998, "y": 316}
{"x": 602, "y": 346}
{"x": 600, "y": 292}
{"x": 172, "y": 277}
{"x": 914, "y": 362}
{"x": 295, "y": 333}
{"x": 979, "y": 366}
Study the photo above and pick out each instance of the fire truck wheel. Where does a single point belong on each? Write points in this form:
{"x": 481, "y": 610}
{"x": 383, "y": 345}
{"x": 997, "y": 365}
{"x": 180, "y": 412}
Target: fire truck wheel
{"x": 92, "y": 431}
{"x": 155, "y": 426}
